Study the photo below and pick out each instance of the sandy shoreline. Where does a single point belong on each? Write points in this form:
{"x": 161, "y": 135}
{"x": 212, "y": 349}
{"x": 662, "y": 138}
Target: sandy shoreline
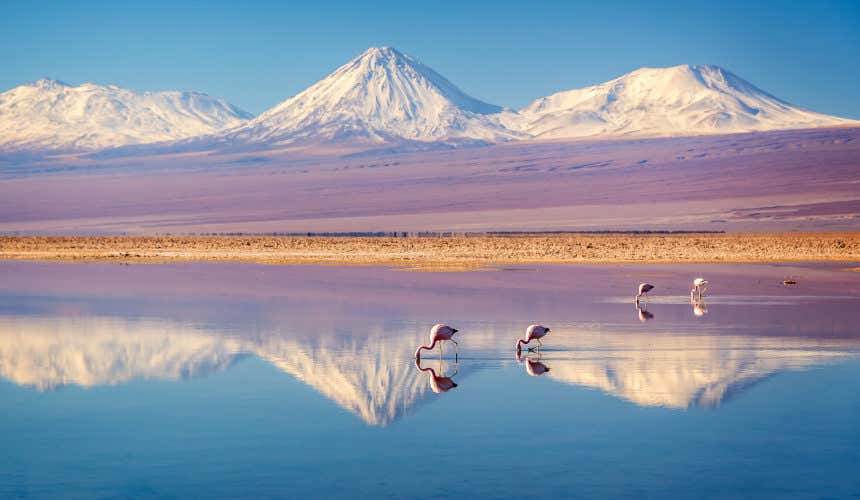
{"x": 465, "y": 252}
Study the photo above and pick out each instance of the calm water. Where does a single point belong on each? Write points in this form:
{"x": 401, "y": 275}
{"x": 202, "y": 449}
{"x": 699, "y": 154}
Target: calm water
{"x": 222, "y": 381}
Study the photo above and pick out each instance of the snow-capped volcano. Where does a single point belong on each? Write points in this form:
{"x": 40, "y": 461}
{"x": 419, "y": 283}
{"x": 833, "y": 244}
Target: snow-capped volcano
{"x": 680, "y": 100}
{"x": 381, "y": 95}
{"x": 386, "y": 97}
{"x": 51, "y": 115}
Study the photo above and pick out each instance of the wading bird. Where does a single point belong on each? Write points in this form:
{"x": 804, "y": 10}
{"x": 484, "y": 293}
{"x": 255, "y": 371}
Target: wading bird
{"x": 699, "y": 285}
{"x": 533, "y": 332}
{"x": 644, "y": 288}
{"x": 439, "y": 333}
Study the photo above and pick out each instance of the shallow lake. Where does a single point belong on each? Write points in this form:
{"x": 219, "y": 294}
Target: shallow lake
{"x": 235, "y": 380}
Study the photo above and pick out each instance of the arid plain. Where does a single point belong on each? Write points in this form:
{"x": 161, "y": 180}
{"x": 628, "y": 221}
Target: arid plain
{"x": 444, "y": 253}
{"x": 774, "y": 181}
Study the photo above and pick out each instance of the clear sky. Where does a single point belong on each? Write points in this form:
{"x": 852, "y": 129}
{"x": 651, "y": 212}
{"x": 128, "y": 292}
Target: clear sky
{"x": 256, "y": 54}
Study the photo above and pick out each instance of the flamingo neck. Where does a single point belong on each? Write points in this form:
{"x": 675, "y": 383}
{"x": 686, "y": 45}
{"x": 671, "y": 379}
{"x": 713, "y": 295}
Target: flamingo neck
{"x": 428, "y": 347}
{"x": 520, "y": 343}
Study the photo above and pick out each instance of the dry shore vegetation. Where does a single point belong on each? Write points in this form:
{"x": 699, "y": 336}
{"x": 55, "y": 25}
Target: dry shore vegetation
{"x": 456, "y": 252}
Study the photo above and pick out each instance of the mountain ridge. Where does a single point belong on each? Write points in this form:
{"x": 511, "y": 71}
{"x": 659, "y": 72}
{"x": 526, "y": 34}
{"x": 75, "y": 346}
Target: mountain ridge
{"x": 659, "y": 102}
{"x": 52, "y": 115}
{"x": 390, "y": 101}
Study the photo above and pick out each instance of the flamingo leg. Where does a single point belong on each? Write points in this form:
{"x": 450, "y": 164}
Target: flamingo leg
{"x": 456, "y": 349}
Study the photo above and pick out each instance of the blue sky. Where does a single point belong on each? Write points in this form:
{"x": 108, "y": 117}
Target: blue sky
{"x": 507, "y": 53}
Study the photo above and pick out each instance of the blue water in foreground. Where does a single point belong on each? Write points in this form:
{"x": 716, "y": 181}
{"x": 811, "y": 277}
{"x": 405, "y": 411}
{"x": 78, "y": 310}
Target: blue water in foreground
{"x": 240, "y": 381}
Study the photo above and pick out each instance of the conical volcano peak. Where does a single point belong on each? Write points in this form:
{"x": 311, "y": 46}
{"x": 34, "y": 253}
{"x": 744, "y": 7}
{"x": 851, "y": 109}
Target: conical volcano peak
{"x": 382, "y": 95}
{"x": 395, "y": 72}
{"x": 384, "y": 52}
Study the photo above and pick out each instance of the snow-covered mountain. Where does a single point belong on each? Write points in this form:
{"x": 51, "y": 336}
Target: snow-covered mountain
{"x": 655, "y": 102}
{"x": 385, "y": 97}
{"x": 51, "y": 115}
{"x": 380, "y": 96}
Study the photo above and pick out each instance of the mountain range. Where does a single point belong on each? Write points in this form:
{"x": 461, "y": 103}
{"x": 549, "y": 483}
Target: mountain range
{"x": 52, "y": 115}
{"x": 386, "y": 97}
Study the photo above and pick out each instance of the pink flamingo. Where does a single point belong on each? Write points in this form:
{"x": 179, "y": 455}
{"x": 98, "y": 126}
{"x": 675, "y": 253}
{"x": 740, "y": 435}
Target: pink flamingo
{"x": 438, "y": 384}
{"x": 533, "y": 332}
{"x": 644, "y": 288}
{"x": 439, "y": 333}
{"x": 699, "y": 285}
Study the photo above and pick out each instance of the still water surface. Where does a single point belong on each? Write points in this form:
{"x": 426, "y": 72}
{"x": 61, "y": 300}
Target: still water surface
{"x": 219, "y": 381}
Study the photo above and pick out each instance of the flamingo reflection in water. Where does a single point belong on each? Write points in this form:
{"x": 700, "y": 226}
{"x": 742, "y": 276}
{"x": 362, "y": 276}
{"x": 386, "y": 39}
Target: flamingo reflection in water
{"x": 534, "y": 367}
{"x": 699, "y": 306}
{"x": 642, "y": 313}
{"x": 438, "y": 383}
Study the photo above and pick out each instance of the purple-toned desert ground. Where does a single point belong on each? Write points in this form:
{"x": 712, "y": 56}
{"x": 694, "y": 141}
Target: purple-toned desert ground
{"x": 774, "y": 181}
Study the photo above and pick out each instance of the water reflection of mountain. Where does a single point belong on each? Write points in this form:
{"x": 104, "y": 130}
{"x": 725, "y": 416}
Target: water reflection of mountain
{"x": 371, "y": 378}
{"x": 368, "y": 376}
{"x": 46, "y": 353}
{"x": 682, "y": 370}
{"x": 372, "y": 374}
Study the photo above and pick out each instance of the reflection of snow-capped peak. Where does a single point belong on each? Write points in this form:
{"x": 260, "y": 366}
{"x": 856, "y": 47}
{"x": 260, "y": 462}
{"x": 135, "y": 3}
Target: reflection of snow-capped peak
{"x": 373, "y": 375}
{"x": 371, "y": 378}
{"x": 682, "y": 370}
{"x": 48, "y": 353}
